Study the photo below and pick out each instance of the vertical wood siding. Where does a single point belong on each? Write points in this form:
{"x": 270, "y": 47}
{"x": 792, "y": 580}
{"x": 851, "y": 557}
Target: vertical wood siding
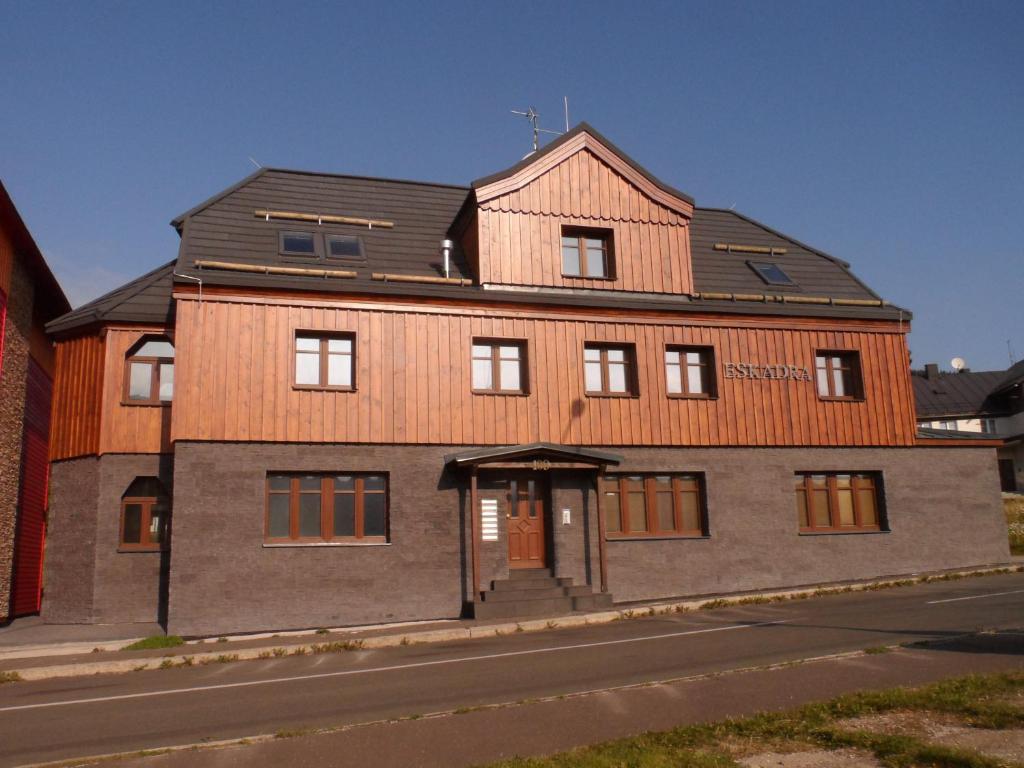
{"x": 520, "y": 232}
{"x": 77, "y": 395}
{"x": 234, "y": 374}
{"x": 129, "y": 428}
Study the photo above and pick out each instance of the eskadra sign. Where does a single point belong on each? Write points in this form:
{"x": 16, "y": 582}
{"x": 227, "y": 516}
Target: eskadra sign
{"x": 754, "y": 371}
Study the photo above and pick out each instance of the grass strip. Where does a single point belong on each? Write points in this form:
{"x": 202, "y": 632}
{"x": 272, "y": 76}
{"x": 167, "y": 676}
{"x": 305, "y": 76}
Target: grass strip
{"x": 977, "y": 700}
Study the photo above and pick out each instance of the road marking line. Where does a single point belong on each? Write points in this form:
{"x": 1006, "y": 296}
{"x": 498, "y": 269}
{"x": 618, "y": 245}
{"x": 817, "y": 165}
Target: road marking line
{"x": 974, "y": 597}
{"x": 413, "y": 665}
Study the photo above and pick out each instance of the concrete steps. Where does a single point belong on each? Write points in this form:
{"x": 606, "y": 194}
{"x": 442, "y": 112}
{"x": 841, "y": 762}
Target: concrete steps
{"x": 535, "y": 592}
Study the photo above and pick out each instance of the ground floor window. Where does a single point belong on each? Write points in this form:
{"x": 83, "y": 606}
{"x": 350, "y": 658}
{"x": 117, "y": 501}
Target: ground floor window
{"x": 839, "y": 501}
{"x": 312, "y": 508}
{"x": 145, "y": 515}
{"x": 653, "y": 505}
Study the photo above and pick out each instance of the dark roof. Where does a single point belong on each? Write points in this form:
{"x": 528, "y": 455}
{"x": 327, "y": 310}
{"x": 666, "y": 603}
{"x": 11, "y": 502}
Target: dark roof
{"x": 549, "y": 451}
{"x": 953, "y": 434}
{"x": 565, "y": 137}
{"x": 1014, "y": 376}
{"x": 225, "y": 229}
{"x": 146, "y": 299}
{"x": 968, "y": 393}
{"x": 815, "y": 273}
{"x": 56, "y": 302}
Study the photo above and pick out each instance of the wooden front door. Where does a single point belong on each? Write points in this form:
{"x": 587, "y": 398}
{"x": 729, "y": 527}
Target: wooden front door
{"x": 528, "y": 498}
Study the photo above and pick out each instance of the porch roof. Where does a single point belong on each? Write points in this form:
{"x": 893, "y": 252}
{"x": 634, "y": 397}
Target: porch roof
{"x": 549, "y": 451}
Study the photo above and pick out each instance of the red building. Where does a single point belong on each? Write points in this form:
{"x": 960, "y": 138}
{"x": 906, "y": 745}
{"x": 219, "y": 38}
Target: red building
{"x": 29, "y": 298}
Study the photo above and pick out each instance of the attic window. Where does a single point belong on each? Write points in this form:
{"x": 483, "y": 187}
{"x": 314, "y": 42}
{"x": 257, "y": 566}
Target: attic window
{"x": 771, "y": 273}
{"x": 297, "y": 244}
{"x": 344, "y": 247}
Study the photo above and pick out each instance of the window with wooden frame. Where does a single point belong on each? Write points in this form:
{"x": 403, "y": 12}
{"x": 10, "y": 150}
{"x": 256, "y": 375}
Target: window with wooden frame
{"x": 690, "y": 371}
{"x": 145, "y": 516}
{"x": 499, "y": 367}
{"x": 831, "y": 502}
{"x": 316, "y": 507}
{"x": 587, "y": 253}
{"x": 654, "y": 505}
{"x": 324, "y": 360}
{"x": 838, "y": 374}
{"x": 610, "y": 370}
{"x": 149, "y": 372}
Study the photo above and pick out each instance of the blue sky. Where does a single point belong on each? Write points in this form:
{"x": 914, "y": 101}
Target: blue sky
{"x": 888, "y": 134}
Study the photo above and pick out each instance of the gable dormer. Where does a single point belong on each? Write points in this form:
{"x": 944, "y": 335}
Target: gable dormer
{"x": 577, "y": 214}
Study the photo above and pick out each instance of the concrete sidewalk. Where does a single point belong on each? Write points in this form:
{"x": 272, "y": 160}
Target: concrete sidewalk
{"x": 84, "y": 656}
{"x": 479, "y": 736}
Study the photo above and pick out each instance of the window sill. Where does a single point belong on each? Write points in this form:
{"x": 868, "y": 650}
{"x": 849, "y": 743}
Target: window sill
{"x": 841, "y": 399}
{"x": 142, "y": 404}
{"x": 318, "y": 388}
{"x": 622, "y": 395}
{"x": 293, "y": 544}
{"x": 858, "y": 532}
{"x": 500, "y": 393}
{"x": 589, "y": 277}
{"x": 660, "y": 537}
{"x": 680, "y": 396}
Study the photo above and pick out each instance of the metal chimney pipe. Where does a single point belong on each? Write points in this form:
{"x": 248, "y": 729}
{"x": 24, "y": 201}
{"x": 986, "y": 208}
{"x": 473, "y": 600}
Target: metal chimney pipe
{"x": 446, "y": 250}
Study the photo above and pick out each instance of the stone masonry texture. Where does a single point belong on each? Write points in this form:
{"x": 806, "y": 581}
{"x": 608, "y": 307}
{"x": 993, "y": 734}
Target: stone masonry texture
{"x": 943, "y": 510}
{"x": 87, "y": 579}
{"x": 13, "y": 376}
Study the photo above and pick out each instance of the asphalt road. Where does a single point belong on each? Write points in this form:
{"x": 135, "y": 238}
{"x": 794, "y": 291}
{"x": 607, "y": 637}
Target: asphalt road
{"x": 67, "y": 718}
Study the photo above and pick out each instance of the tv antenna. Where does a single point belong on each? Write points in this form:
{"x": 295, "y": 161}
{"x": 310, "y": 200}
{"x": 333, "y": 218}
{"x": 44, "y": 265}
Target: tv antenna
{"x": 533, "y": 116}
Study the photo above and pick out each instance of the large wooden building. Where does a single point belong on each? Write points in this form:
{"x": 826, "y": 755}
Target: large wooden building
{"x": 29, "y": 297}
{"x": 354, "y": 400}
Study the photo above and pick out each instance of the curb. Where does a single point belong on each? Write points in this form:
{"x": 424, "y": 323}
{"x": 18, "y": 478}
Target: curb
{"x": 227, "y": 655}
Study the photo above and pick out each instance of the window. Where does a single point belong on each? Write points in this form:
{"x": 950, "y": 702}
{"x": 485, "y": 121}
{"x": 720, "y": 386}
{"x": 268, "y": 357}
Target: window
{"x": 586, "y": 253}
{"x": 771, "y": 273}
{"x": 319, "y": 507}
{"x": 653, "y": 505}
{"x": 145, "y": 516}
{"x": 988, "y": 426}
{"x": 149, "y": 372}
{"x": 690, "y": 371}
{"x": 324, "y": 361}
{"x": 499, "y": 366}
{"x": 609, "y": 369}
{"x": 297, "y": 244}
{"x": 348, "y": 247}
{"x": 838, "y": 374}
{"x": 836, "y": 502}
{"x": 946, "y": 425}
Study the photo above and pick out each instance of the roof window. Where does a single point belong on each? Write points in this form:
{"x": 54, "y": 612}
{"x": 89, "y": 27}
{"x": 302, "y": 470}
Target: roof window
{"x": 297, "y": 244}
{"x": 344, "y": 247}
{"x": 771, "y": 273}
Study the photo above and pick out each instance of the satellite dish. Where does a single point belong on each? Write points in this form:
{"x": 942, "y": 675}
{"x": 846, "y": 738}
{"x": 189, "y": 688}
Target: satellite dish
{"x": 958, "y": 364}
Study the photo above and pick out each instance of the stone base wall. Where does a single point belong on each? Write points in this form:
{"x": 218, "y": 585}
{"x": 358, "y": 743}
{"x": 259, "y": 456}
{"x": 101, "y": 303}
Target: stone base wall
{"x": 87, "y": 580}
{"x": 13, "y": 375}
{"x": 943, "y": 507}
{"x": 943, "y": 510}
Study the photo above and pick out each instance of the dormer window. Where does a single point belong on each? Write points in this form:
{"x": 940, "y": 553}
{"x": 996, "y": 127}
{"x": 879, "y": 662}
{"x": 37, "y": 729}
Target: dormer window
{"x": 297, "y": 244}
{"x": 771, "y": 273}
{"x": 149, "y": 372}
{"x": 587, "y": 253}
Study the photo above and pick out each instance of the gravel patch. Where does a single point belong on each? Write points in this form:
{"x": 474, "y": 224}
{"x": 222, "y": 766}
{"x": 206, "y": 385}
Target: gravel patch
{"x": 840, "y": 758}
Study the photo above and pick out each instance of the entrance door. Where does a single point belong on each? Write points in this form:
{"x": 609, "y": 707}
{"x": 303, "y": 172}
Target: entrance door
{"x": 528, "y": 495}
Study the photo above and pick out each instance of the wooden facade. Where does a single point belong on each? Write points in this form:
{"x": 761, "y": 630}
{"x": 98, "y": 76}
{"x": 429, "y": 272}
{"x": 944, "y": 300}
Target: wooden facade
{"x": 91, "y": 416}
{"x": 77, "y": 397}
{"x": 235, "y": 379}
{"x": 516, "y": 236}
